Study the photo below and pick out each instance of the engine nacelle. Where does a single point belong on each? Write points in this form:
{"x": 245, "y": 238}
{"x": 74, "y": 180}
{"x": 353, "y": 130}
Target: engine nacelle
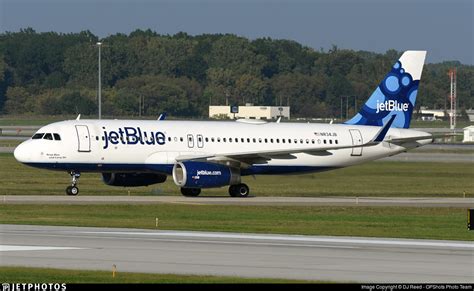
{"x": 204, "y": 175}
{"x": 132, "y": 179}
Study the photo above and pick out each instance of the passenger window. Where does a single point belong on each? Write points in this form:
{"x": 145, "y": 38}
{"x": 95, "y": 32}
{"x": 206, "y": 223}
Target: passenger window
{"x": 324, "y": 141}
{"x": 230, "y": 139}
{"x": 307, "y": 140}
{"x": 224, "y": 139}
{"x": 181, "y": 139}
{"x": 48, "y": 136}
{"x": 330, "y": 141}
{"x": 242, "y": 139}
{"x": 337, "y": 141}
{"x": 38, "y": 136}
{"x": 207, "y": 139}
{"x": 56, "y": 136}
{"x": 254, "y": 140}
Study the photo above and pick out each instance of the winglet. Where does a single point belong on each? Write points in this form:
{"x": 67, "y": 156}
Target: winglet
{"x": 162, "y": 116}
{"x": 381, "y": 134}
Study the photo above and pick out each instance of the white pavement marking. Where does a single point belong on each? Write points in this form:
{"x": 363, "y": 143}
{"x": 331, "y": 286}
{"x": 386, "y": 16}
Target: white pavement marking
{"x": 358, "y": 241}
{"x": 10, "y": 248}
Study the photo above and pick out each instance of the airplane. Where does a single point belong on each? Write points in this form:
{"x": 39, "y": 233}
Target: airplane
{"x": 209, "y": 154}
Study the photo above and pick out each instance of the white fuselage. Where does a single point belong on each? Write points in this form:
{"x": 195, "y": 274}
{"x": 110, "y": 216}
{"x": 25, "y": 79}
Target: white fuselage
{"x": 153, "y": 146}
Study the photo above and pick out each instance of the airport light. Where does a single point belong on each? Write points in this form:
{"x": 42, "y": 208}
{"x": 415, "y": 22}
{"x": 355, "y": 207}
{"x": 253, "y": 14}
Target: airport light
{"x": 99, "y": 44}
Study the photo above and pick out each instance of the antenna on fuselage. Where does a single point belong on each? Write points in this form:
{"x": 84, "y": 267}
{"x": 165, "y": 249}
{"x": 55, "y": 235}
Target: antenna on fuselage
{"x": 78, "y": 117}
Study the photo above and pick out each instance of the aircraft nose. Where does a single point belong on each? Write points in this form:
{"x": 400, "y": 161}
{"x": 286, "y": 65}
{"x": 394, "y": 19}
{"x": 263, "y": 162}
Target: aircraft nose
{"x": 22, "y": 153}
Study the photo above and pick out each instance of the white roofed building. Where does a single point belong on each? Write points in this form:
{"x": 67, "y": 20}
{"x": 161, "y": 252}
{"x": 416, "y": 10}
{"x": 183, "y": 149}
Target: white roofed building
{"x": 249, "y": 112}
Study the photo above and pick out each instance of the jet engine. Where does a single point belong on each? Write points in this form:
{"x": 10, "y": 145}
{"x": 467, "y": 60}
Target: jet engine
{"x": 204, "y": 175}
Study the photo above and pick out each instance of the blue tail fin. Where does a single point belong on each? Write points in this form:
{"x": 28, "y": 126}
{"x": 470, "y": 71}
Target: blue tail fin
{"x": 395, "y": 95}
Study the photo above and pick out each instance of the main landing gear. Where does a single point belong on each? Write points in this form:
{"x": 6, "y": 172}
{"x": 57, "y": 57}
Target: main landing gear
{"x": 73, "y": 190}
{"x": 191, "y": 192}
{"x": 239, "y": 190}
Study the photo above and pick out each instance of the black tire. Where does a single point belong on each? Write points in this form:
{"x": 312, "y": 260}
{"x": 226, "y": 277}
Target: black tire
{"x": 72, "y": 190}
{"x": 232, "y": 191}
{"x": 191, "y": 192}
{"x": 240, "y": 190}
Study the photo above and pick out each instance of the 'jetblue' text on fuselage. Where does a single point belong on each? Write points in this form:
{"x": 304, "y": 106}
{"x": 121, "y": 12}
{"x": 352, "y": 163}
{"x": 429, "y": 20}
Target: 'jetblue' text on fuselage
{"x": 133, "y": 136}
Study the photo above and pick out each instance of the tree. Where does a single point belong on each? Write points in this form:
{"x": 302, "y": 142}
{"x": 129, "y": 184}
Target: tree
{"x": 18, "y": 101}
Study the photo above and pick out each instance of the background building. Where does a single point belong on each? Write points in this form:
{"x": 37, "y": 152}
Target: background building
{"x": 249, "y": 111}
{"x": 468, "y": 134}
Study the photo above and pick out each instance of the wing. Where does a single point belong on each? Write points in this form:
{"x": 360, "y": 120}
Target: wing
{"x": 246, "y": 159}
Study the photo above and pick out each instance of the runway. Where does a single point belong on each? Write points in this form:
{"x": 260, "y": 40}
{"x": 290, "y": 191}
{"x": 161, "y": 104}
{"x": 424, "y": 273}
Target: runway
{"x": 259, "y": 201}
{"x": 339, "y": 259}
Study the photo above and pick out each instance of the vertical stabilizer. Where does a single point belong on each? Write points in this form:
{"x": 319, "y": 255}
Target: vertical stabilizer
{"x": 395, "y": 95}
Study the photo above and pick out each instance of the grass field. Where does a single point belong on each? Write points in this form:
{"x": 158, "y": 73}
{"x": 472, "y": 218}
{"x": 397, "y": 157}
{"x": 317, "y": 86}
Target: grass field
{"x": 372, "y": 179}
{"x": 426, "y": 223}
{"x": 42, "y": 275}
{"x": 9, "y": 143}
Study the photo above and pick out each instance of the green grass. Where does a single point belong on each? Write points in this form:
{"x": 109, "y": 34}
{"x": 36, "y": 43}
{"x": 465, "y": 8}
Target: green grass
{"x": 42, "y": 275}
{"x": 399, "y": 222}
{"x": 9, "y": 142}
{"x": 26, "y": 120}
{"x": 437, "y": 124}
{"x": 462, "y": 151}
{"x": 372, "y": 179}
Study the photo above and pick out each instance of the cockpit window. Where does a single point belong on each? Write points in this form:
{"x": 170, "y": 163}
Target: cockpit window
{"x": 38, "y": 136}
{"x": 56, "y": 136}
{"x": 48, "y": 136}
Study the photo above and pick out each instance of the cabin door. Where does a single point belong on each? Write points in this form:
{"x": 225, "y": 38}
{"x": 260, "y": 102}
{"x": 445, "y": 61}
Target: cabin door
{"x": 83, "y": 138}
{"x": 356, "y": 142}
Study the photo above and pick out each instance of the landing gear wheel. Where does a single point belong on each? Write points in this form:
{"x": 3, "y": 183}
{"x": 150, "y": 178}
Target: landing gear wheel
{"x": 72, "y": 190}
{"x": 191, "y": 192}
{"x": 239, "y": 190}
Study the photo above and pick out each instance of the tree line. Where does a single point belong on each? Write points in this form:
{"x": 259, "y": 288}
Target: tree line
{"x": 147, "y": 73}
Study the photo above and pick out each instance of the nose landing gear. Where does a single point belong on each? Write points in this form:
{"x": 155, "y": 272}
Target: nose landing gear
{"x": 73, "y": 190}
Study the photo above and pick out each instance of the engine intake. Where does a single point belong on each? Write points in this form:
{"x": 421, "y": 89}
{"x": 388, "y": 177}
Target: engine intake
{"x": 204, "y": 175}
{"x": 132, "y": 179}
